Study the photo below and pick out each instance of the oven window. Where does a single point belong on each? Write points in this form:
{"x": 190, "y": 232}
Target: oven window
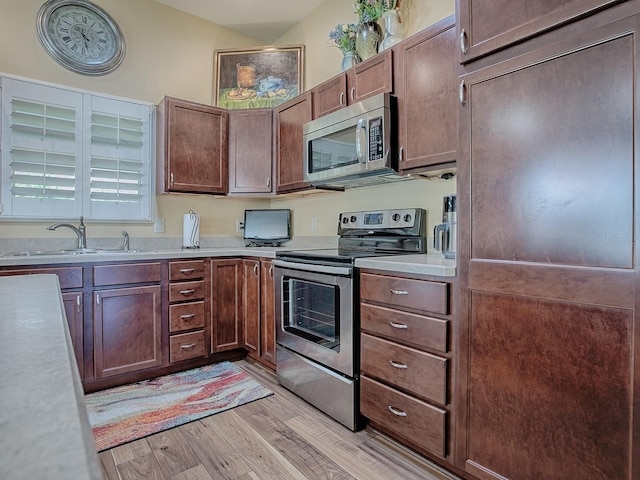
{"x": 312, "y": 311}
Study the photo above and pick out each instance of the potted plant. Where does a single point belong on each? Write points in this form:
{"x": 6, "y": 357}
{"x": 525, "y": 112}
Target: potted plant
{"x": 369, "y": 33}
{"x": 344, "y": 37}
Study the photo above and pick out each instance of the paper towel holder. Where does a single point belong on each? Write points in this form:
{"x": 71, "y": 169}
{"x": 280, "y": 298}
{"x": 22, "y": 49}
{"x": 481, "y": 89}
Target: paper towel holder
{"x": 191, "y": 231}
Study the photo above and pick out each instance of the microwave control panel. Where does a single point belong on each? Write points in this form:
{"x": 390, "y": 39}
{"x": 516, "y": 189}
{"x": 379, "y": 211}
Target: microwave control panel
{"x": 376, "y": 147}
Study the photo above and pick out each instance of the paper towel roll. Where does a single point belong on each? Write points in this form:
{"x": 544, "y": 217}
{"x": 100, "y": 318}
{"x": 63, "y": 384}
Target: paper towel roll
{"x": 191, "y": 230}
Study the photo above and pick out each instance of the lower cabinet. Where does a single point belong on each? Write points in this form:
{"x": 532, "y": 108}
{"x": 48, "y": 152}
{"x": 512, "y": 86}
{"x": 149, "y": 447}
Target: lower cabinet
{"x": 126, "y": 319}
{"x": 406, "y": 359}
{"x": 226, "y": 304}
{"x": 258, "y": 311}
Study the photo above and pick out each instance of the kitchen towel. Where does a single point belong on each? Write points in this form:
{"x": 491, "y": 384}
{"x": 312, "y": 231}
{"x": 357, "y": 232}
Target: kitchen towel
{"x": 191, "y": 230}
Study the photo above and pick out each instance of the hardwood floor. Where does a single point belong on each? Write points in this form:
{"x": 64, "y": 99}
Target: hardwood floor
{"x": 276, "y": 438}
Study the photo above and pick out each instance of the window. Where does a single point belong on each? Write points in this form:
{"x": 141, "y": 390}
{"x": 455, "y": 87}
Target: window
{"x": 67, "y": 153}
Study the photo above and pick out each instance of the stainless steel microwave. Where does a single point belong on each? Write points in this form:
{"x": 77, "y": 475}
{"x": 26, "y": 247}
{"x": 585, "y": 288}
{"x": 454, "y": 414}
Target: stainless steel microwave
{"x": 353, "y": 146}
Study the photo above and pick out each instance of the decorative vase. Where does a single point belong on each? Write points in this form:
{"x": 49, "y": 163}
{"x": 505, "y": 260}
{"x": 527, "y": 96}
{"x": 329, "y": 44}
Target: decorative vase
{"x": 368, "y": 36}
{"x": 349, "y": 60}
{"x": 392, "y": 29}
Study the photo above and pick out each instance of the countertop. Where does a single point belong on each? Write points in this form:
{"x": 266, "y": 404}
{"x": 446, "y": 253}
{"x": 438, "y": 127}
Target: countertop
{"x": 44, "y": 429}
{"x": 425, "y": 264}
{"x": 420, "y": 264}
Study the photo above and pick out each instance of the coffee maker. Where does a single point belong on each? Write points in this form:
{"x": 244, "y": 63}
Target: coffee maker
{"x": 445, "y": 233}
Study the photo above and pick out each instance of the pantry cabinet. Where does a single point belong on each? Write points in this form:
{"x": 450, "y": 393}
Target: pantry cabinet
{"x": 191, "y": 147}
{"x": 406, "y": 359}
{"x": 127, "y": 313}
{"x": 548, "y": 384}
{"x": 251, "y": 151}
{"x": 489, "y": 26}
{"x": 368, "y": 78}
{"x": 425, "y": 73}
{"x": 290, "y": 117}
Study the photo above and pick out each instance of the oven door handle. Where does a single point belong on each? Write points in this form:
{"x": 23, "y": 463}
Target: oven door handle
{"x": 312, "y": 267}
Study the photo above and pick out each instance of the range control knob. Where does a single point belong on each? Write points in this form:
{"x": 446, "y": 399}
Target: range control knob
{"x": 407, "y": 218}
{"x": 395, "y": 217}
{"x": 353, "y": 219}
{"x": 345, "y": 220}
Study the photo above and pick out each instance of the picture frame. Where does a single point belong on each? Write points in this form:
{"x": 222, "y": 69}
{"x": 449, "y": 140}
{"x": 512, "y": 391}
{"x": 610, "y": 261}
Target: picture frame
{"x": 261, "y": 77}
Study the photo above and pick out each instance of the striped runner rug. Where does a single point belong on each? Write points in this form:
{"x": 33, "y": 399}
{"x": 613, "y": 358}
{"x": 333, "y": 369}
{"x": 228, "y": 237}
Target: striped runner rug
{"x": 122, "y": 414}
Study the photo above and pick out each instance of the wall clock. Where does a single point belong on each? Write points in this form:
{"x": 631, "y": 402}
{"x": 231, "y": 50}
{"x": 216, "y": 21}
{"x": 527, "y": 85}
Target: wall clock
{"x": 80, "y": 36}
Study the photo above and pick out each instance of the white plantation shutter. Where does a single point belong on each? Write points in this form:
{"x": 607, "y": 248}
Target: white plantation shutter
{"x": 119, "y": 170}
{"x": 40, "y": 151}
{"x": 66, "y": 154}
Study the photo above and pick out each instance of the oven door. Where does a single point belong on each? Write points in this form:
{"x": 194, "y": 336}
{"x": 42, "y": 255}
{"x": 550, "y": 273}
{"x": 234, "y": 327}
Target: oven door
{"x": 314, "y": 313}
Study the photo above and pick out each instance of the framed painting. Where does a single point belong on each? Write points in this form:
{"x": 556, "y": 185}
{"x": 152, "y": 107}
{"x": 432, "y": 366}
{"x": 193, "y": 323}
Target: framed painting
{"x": 259, "y": 77}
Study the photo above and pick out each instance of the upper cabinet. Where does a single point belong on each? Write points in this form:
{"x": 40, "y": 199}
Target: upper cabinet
{"x": 191, "y": 147}
{"x": 485, "y": 27}
{"x": 373, "y": 76}
{"x": 290, "y": 117}
{"x": 425, "y": 77}
{"x": 251, "y": 151}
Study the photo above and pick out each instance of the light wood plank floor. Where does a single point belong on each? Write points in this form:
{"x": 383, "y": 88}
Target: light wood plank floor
{"x": 276, "y": 438}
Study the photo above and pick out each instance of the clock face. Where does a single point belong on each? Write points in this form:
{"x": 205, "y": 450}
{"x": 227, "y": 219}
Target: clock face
{"x": 80, "y": 36}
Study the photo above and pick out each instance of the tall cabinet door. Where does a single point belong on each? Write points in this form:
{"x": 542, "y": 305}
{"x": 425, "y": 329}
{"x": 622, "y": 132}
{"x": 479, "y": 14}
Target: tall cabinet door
{"x": 268, "y": 314}
{"x": 548, "y": 196}
{"x": 251, "y": 306}
{"x": 226, "y": 304}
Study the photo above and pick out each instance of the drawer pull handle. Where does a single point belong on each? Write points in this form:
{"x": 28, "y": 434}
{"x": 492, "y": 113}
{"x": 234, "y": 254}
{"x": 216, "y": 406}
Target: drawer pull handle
{"x": 187, "y": 316}
{"x": 397, "y": 365}
{"x": 396, "y": 412}
{"x": 187, "y": 292}
{"x": 400, "y": 326}
{"x": 187, "y": 270}
{"x": 187, "y": 347}
{"x": 398, "y": 292}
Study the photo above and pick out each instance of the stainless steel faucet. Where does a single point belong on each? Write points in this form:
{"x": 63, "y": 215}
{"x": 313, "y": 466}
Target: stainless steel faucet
{"x": 80, "y": 231}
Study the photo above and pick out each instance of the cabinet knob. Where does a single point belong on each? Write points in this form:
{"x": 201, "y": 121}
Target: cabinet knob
{"x": 187, "y": 271}
{"x": 187, "y": 292}
{"x": 341, "y": 98}
{"x": 255, "y": 269}
{"x": 187, "y": 347}
{"x": 463, "y": 41}
{"x": 353, "y": 93}
{"x": 398, "y": 292}
{"x": 171, "y": 178}
{"x": 399, "y": 326}
{"x": 187, "y": 316}
{"x": 401, "y": 154}
{"x": 268, "y": 182}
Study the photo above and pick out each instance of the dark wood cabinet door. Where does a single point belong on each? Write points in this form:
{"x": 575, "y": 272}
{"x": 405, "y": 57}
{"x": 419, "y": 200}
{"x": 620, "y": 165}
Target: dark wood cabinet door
{"x": 371, "y": 77}
{"x": 251, "y": 306}
{"x": 268, "y": 314}
{"x": 73, "y": 309}
{"x": 426, "y": 74}
{"x": 191, "y": 147}
{"x": 548, "y": 336}
{"x": 250, "y": 151}
{"x": 487, "y": 26}
{"x": 330, "y": 96}
{"x": 290, "y": 117}
{"x": 226, "y": 304}
{"x": 126, "y": 330}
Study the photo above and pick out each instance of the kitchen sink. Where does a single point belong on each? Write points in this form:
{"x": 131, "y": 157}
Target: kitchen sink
{"x": 74, "y": 251}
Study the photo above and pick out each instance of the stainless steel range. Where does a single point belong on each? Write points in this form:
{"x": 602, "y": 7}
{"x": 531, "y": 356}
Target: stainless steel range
{"x": 317, "y": 312}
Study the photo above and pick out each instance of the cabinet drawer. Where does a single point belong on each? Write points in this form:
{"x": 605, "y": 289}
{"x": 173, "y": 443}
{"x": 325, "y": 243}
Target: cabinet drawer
{"x": 419, "y": 330}
{"x": 186, "y": 316}
{"x": 405, "y": 292}
{"x": 417, "y": 372}
{"x": 69, "y": 277}
{"x": 412, "y": 420}
{"x": 126, "y": 273}
{"x": 180, "y": 292}
{"x": 187, "y": 270}
{"x": 186, "y": 346}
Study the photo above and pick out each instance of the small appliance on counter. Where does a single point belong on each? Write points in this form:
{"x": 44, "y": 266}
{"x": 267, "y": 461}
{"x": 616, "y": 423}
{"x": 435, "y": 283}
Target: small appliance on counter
{"x": 445, "y": 233}
{"x": 191, "y": 230}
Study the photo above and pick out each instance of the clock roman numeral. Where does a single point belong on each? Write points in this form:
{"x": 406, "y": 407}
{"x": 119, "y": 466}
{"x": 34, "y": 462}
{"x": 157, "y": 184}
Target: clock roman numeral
{"x": 102, "y": 40}
{"x": 66, "y": 39}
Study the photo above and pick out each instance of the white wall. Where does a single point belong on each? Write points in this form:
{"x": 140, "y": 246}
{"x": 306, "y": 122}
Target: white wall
{"x": 171, "y": 53}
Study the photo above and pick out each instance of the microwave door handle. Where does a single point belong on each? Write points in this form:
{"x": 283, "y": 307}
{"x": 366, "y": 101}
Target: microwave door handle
{"x": 360, "y": 127}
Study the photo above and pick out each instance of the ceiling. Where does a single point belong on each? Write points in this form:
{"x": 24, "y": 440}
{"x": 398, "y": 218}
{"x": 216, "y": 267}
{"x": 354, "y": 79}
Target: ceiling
{"x": 265, "y": 20}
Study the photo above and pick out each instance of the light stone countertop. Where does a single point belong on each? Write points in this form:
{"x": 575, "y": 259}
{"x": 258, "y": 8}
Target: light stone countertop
{"x": 425, "y": 264}
{"x": 44, "y": 429}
